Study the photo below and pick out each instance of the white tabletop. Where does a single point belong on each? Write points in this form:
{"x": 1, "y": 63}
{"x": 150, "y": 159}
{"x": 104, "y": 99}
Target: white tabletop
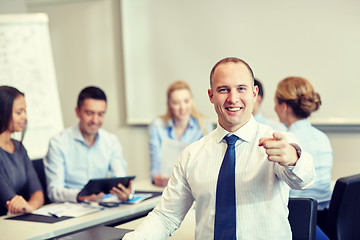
{"x": 15, "y": 229}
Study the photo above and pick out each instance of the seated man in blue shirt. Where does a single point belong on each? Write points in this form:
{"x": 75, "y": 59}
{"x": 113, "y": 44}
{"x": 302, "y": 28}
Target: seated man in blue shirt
{"x": 83, "y": 152}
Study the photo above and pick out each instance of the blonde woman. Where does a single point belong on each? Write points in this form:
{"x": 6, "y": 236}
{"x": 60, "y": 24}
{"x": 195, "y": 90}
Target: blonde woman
{"x": 182, "y": 123}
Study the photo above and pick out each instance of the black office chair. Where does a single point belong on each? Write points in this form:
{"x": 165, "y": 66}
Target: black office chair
{"x": 39, "y": 168}
{"x": 302, "y": 218}
{"x": 343, "y": 218}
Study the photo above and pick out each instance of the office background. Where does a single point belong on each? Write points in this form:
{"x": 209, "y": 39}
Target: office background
{"x": 87, "y": 44}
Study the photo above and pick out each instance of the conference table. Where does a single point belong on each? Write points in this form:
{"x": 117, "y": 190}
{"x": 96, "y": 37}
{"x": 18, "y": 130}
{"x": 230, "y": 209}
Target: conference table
{"x": 19, "y": 229}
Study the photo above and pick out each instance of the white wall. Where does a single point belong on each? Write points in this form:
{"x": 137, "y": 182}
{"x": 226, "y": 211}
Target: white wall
{"x": 86, "y": 40}
{"x": 12, "y": 6}
{"x": 171, "y": 40}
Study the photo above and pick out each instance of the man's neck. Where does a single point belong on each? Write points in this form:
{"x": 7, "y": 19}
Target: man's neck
{"x": 89, "y": 138}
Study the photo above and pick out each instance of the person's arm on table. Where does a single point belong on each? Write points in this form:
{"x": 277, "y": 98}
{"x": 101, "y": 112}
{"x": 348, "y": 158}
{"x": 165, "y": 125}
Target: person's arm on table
{"x": 18, "y": 204}
{"x": 155, "y": 156}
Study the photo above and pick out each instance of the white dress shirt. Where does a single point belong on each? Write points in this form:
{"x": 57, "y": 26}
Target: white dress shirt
{"x": 262, "y": 188}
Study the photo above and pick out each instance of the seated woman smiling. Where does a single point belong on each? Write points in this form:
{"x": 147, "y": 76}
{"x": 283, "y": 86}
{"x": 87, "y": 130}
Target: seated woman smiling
{"x": 20, "y": 188}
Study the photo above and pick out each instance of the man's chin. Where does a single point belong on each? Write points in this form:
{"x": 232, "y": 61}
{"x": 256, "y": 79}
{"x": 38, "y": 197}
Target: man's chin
{"x": 92, "y": 131}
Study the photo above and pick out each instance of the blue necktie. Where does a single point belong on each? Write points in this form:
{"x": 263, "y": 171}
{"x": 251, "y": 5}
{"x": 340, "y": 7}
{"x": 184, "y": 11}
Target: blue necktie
{"x": 225, "y": 211}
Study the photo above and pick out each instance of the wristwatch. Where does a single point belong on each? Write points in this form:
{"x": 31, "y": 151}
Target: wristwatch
{"x": 297, "y": 148}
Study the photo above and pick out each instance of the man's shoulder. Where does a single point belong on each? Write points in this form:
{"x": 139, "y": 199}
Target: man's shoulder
{"x": 277, "y": 126}
{"x": 64, "y": 134}
{"x": 105, "y": 133}
{"x": 107, "y": 138}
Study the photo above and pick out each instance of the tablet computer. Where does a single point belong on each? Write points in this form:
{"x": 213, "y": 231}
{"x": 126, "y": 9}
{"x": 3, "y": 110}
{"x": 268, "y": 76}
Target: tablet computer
{"x": 98, "y": 185}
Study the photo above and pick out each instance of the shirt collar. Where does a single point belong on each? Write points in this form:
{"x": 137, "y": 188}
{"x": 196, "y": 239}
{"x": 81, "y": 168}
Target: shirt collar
{"x": 246, "y": 132}
{"x": 78, "y": 135}
{"x": 191, "y": 123}
{"x": 300, "y": 124}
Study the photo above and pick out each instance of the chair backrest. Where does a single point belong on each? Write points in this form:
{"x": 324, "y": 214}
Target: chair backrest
{"x": 343, "y": 220}
{"x": 39, "y": 168}
{"x": 302, "y": 218}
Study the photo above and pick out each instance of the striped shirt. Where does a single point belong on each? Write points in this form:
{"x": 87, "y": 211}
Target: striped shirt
{"x": 262, "y": 188}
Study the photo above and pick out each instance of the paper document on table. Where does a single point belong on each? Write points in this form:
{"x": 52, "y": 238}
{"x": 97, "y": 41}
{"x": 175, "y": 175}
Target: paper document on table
{"x": 136, "y": 198}
{"x": 67, "y": 209}
{"x": 171, "y": 150}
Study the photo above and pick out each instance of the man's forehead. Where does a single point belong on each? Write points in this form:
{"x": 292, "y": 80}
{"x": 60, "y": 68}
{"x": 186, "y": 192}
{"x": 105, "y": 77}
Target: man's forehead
{"x": 232, "y": 70}
{"x": 240, "y": 66}
{"x": 91, "y": 103}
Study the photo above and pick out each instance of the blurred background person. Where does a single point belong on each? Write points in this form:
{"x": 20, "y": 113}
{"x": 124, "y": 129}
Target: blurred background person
{"x": 85, "y": 151}
{"x": 295, "y": 100}
{"x": 20, "y": 188}
{"x": 277, "y": 126}
{"x": 182, "y": 123}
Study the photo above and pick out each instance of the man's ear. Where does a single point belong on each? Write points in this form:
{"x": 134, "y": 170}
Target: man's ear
{"x": 256, "y": 92}
{"x": 77, "y": 111}
{"x": 211, "y": 95}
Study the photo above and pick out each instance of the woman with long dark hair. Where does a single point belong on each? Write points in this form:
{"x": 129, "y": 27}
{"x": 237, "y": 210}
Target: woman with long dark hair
{"x": 20, "y": 188}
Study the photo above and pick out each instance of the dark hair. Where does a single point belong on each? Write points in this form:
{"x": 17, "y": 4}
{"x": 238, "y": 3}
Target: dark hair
{"x": 227, "y": 60}
{"x": 258, "y": 83}
{"x": 7, "y": 97}
{"x": 90, "y": 92}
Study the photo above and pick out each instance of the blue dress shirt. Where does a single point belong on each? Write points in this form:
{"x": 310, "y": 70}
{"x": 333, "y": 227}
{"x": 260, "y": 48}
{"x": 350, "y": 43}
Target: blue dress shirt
{"x": 70, "y": 162}
{"x": 161, "y": 129}
{"x": 318, "y": 145}
{"x": 277, "y": 126}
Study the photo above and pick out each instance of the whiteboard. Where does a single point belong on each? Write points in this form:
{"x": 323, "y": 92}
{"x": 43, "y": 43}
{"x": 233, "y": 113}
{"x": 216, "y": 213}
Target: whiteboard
{"x": 26, "y": 62}
{"x": 164, "y": 41}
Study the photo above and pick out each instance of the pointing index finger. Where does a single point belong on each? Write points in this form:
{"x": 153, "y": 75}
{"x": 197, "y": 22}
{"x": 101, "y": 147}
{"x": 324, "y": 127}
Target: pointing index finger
{"x": 278, "y": 136}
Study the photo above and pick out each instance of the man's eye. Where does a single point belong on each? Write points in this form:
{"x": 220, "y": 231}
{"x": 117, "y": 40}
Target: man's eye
{"x": 223, "y": 90}
{"x": 242, "y": 89}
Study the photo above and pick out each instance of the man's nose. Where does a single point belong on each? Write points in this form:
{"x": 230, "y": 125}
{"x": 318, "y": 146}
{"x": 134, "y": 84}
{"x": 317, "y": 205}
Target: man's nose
{"x": 233, "y": 97}
{"x": 95, "y": 119}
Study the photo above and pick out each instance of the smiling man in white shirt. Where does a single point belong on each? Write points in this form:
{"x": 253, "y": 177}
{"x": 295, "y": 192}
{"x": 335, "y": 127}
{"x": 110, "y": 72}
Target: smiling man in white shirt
{"x": 267, "y": 166}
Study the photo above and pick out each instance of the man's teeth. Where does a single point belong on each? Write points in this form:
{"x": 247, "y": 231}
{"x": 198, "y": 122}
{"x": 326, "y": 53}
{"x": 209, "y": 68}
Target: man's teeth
{"x": 234, "y": 109}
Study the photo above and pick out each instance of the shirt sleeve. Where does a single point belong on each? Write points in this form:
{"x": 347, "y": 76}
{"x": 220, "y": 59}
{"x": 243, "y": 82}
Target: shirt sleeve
{"x": 6, "y": 192}
{"x": 55, "y": 174}
{"x": 155, "y": 150}
{"x": 167, "y": 216}
{"x": 300, "y": 176}
{"x": 30, "y": 178}
{"x": 118, "y": 165}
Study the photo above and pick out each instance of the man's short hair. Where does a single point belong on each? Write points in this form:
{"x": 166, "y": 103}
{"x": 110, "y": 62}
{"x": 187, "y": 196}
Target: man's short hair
{"x": 258, "y": 83}
{"x": 227, "y": 60}
{"x": 90, "y": 92}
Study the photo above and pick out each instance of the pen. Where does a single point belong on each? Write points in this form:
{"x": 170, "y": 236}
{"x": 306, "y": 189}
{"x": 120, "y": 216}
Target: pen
{"x": 53, "y": 214}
